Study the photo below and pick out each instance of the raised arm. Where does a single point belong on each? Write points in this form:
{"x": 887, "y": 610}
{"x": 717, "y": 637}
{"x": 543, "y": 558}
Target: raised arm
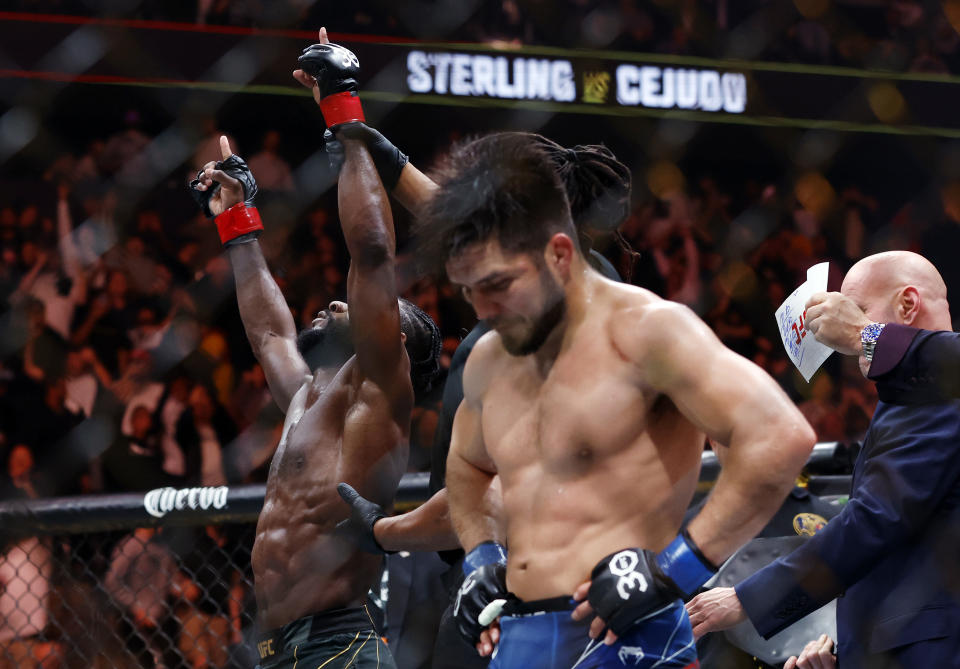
{"x": 371, "y": 282}
{"x": 735, "y": 403}
{"x": 268, "y": 323}
{"x": 412, "y": 188}
{"x": 263, "y": 309}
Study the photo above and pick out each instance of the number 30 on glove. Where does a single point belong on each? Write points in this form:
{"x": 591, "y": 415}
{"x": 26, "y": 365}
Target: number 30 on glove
{"x": 634, "y": 583}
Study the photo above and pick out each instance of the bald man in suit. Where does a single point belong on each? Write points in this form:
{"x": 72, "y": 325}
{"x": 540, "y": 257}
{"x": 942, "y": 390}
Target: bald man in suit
{"x": 891, "y": 554}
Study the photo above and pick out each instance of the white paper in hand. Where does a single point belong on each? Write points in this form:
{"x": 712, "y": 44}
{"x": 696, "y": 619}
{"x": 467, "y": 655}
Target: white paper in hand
{"x": 805, "y": 351}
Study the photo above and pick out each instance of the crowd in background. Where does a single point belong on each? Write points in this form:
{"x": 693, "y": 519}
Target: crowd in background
{"x": 124, "y": 365}
{"x": 899, "y": 35}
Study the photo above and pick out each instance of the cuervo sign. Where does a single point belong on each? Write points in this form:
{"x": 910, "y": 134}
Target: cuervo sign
{"x": 161, "y": 501}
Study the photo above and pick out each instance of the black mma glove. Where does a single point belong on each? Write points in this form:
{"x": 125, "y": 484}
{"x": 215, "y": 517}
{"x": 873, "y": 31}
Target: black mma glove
{"x": 335, "y": 69}
{"x": 486, "y": 581}
{"x": 364, "y": 514}
{"x": 235, "y": 167}
{"x": 240, "y": 223}
{"x": 387, "y": 158}
{"x": 633, "y": 583}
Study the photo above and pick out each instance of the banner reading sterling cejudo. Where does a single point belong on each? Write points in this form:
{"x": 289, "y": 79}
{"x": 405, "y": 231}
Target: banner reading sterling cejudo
{"x": 519, "y": 77}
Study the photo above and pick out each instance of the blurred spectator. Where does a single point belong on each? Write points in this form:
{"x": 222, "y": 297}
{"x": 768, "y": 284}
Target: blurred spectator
{"x": 45, "y": 353}
{"x": 56, "y": 279}
{"x": 134, "y": 462}
{"x": 87, "y": 168}
{"x": 137, "y": 387}
{"x": 123, "y": 156}
{"x": 250, "y": 397}
{"x": 25, "y": 571}
{"x": 273, "y": 172}
{"x": 941, "y": 242}
{"x": 208, "y": 148}
{"x": 104, "y": 327}
{"x": 43, "y": 426}
{"x": 211, "y": 622}
{"x": 140, "y": 579}
{"x": 172, "y": 405}
{"x": 19, "y": 479}
{"x": 213, "y": 347}
{"x": 84, "y": 378}
{"x": 203, "y": 431}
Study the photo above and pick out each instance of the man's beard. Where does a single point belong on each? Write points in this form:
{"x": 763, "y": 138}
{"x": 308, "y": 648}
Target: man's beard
{"x": 543, "y": 325}
{"x": 328, "y": 347}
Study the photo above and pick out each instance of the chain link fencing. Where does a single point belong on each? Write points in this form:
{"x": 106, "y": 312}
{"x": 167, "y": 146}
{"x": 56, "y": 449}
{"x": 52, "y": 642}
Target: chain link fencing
{"x": 171, "y": 597}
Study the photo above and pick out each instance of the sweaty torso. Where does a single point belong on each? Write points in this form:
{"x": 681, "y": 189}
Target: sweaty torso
{"x": 338, "y": 428}
{"x": 591, "y": 461}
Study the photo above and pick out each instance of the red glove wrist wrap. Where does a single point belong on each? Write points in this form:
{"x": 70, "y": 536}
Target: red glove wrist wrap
{"x": 238, "y": 220}
{"x": 341, "y": 108}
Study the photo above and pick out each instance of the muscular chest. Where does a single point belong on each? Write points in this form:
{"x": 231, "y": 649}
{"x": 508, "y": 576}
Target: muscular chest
{"x": 577, "y": 414}
{"x": 312, "y": 433}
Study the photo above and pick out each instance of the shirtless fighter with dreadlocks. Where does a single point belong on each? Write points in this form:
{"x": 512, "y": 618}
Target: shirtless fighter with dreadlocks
{"x": 347, "y": 387}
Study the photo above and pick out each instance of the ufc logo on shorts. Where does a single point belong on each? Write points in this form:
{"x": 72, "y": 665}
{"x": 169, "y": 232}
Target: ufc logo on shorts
{"x": 622, "y": 565}
{"x": 347, "y": 57}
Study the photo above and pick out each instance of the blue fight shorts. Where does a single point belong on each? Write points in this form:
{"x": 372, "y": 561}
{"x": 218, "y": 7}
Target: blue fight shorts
{"x": 541, "y": 634}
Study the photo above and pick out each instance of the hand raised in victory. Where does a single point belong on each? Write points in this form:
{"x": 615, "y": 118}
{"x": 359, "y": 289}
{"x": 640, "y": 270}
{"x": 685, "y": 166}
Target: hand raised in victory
{"x": 214, "y": 189}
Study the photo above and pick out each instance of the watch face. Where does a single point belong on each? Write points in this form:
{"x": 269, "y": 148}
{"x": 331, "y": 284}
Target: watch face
{"x": 870, "y": 333}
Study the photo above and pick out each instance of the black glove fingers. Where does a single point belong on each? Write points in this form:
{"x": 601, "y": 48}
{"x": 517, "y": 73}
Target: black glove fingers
{"x": 202, "y": 197}
{"x": 237, "y": 168}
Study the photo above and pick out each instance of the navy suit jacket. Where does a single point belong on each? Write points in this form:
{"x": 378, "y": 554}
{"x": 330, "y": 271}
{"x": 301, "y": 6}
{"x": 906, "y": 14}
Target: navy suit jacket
{"x": 892, "y": 556}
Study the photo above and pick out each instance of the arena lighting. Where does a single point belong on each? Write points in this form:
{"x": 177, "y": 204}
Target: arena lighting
{"x": 537, "y": 79}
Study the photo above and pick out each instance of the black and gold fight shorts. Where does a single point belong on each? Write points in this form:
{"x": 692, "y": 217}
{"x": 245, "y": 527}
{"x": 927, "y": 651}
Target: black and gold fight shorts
{"x": 332, "y": 639}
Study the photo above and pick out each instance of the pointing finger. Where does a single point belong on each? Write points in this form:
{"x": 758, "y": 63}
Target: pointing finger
{"x": 347, "y": 493}
{"x": 225, "y": 147}
{"x": 323, "y": 36}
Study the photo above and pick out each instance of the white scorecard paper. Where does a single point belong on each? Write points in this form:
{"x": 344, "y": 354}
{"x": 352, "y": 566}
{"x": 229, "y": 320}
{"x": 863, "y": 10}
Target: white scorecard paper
{"x": 805, "y": 351}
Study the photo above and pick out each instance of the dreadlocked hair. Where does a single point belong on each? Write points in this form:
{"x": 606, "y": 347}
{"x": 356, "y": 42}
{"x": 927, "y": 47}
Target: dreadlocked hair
{"x": 423, "y": 345}
{"x": 597, "y": 184}
{"x": 598, "y": 188}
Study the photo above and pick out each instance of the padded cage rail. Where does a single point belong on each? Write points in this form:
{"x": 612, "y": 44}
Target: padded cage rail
{"x": 163, "y": 578}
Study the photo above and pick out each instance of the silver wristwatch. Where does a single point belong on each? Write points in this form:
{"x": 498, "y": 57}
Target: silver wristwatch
{"x": 868, "y": 339}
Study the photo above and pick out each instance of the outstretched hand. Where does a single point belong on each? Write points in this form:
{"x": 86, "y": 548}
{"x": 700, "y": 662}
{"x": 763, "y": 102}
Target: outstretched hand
{"x": 818, "y": 654}
{"x": 714, "y": 610}
{"x": 305, "y": 79}
{"x": 228, "y": 191}
{"x": 364, "y": 514}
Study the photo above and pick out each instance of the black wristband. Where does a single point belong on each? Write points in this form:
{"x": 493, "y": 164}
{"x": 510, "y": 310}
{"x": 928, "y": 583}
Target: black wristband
{"x": 696, "y": 549}
{"x": 387, "y": 158}
{"x": 389, "y": 161}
